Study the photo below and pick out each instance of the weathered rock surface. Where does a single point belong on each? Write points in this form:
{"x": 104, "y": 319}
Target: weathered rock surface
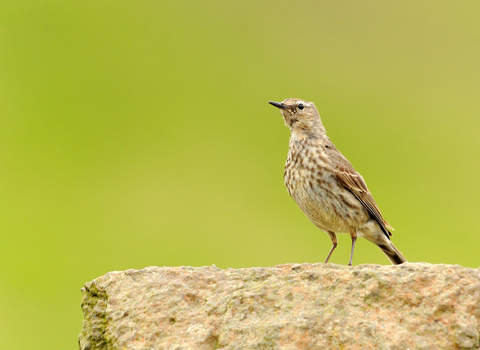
{"x": 296, "y": 306}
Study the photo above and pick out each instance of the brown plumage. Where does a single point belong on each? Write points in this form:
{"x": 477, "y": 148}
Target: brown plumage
{"x": 326, "y": 186}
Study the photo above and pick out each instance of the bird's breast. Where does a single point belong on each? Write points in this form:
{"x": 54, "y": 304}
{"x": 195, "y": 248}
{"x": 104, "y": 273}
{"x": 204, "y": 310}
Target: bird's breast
{"x": 311, "y": 181}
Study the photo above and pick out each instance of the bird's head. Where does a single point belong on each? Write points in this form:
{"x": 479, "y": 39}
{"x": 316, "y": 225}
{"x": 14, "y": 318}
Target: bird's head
{"x": 301, "y": 117}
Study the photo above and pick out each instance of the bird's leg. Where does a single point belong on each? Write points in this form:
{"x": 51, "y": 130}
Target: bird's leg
{"x": 353, "y": 234}
{"x": 333, "y": 237}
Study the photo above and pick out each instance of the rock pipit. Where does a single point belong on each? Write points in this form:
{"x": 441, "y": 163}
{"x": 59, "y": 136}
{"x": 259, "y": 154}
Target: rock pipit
{"x": 326, "y": 186}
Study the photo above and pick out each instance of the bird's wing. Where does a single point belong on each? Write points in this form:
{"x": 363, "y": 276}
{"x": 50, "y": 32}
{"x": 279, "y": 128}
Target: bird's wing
{"x": 354, "y": 182}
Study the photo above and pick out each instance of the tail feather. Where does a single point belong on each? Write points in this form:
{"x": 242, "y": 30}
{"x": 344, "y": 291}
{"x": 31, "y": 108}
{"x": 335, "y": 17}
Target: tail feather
{"x": 392, "y": 253}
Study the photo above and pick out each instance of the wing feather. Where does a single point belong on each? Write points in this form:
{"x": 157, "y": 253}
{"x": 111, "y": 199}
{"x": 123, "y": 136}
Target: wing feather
{"x": 354, "y": 182}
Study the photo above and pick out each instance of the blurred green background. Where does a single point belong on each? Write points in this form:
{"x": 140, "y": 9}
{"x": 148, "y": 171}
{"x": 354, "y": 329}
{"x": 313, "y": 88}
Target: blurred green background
{"x": 138, "y": 133}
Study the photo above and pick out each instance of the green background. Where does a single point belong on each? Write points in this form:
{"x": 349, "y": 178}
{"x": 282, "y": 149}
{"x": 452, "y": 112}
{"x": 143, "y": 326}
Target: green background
{"x": 138, "y": 133}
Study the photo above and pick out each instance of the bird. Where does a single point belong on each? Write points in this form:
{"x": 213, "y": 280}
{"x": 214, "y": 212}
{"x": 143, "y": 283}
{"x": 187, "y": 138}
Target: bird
{"x": 325, "y": 185}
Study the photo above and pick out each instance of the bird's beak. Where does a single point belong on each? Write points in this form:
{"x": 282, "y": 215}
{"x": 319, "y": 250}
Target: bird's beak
{"x": 278, "y": 104}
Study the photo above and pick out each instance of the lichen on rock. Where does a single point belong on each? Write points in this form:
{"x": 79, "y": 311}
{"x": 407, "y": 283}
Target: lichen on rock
{"x": 293, "y": 306}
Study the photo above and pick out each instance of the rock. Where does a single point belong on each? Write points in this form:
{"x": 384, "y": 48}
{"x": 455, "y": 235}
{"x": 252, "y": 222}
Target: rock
{"x": 295, "y": 306}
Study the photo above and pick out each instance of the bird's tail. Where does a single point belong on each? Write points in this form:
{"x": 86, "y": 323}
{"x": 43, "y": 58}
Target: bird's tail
{"x": 392, "y": 253}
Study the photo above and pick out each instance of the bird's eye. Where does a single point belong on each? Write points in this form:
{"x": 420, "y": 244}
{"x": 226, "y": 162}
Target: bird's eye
{"x": 301, "y": 106}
